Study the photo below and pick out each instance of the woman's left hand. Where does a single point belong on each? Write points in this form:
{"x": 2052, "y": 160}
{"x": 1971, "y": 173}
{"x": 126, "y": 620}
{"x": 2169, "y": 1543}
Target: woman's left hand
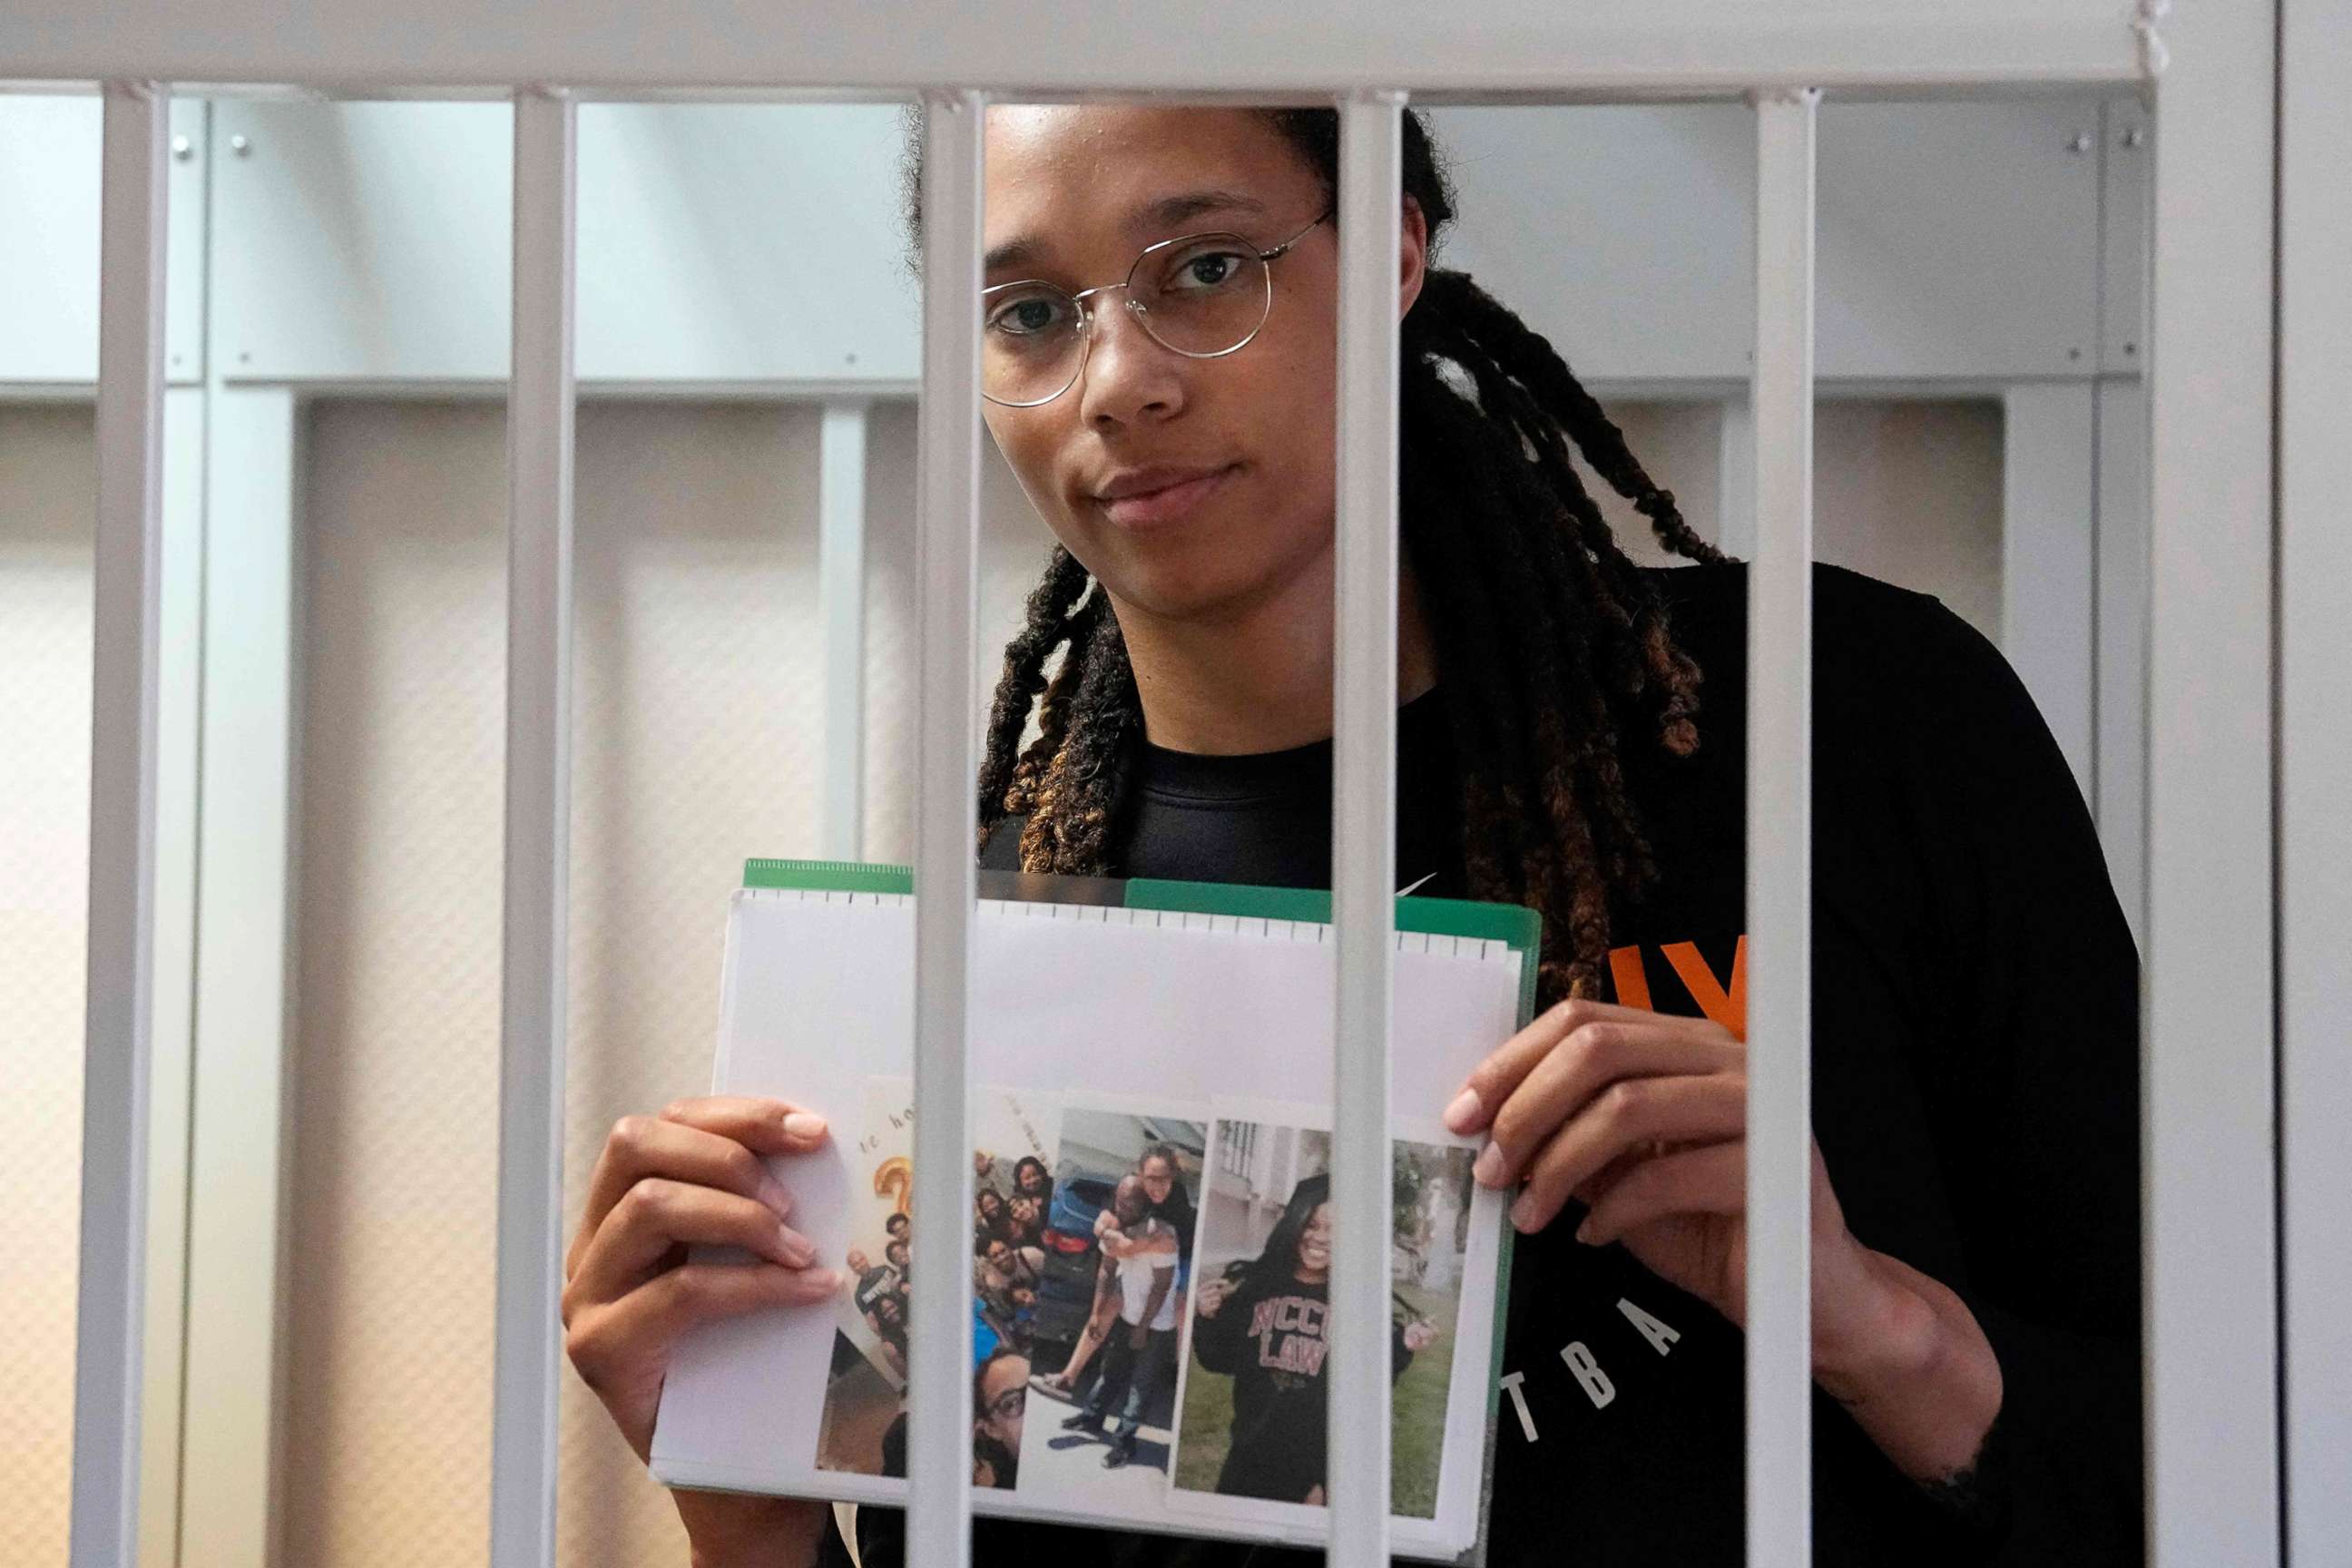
{"x": 1643, "y": 1117}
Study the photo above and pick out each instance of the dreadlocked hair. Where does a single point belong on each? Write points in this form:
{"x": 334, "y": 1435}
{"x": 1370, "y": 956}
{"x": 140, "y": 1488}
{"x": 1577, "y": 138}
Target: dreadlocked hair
{"x": 1552, "y": 646}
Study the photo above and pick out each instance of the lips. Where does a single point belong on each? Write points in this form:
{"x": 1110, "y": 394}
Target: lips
{"x": 1168, "y": 504}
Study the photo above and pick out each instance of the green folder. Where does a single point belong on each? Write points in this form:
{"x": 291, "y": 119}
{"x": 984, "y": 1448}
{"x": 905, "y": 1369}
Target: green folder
{"x": 1514, "y": 925}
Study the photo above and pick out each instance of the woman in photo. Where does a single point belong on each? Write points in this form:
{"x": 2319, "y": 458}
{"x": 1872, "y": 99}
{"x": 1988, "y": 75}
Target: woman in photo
{"x": 1031, "y": 1180}
{"x": 1025, "y": 1222}
{"x": 1159, "y": 344}
{"x": 1163, "y": 1183}
{"x": 1265, "y": 1324}
{"x": 989, "y": 1220}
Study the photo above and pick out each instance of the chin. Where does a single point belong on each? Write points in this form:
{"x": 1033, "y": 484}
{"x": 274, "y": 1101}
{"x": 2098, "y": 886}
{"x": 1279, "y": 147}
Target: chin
{"x": 1194, "y": 584}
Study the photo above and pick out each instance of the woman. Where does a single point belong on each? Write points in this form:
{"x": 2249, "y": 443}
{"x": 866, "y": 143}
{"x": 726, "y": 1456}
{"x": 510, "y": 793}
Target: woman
{"x": 1163, "y": 1183}
{"x": 1031, "y": 1180}
{"x": 1025, "y": 1222}
{"x": 1264, "y": 1325}
{"x": 989, "y": 1219}
{"x": 1974, "y": 1231}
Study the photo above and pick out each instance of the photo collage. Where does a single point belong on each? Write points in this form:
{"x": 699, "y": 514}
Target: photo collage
{"x": 1149, "y": 1304}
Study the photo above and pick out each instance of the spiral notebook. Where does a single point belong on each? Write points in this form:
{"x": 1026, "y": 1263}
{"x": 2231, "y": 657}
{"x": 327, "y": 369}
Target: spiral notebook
{"x": 1150, "y": 1103}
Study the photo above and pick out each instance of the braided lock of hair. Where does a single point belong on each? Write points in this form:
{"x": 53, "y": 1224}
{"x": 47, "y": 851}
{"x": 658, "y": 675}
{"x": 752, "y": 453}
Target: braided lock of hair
{"x": 1553, "y": 646}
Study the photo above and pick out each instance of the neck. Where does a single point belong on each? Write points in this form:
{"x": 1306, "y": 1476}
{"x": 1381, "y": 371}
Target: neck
{"x": 1257, "y": 678}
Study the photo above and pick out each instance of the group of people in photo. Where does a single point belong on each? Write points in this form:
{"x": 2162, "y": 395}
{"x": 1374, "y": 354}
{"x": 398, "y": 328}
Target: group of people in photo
{"x": 1113, "y": 1237}
{"x": 1008, "y": 1261}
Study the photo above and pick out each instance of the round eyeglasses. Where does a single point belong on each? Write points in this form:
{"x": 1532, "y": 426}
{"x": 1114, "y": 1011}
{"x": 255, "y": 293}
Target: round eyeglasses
{"x": 1199, "y": 295}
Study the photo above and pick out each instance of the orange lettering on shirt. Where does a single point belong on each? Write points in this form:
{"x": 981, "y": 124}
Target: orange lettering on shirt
{"x": 1625, "y": 970}
{"x": 1727, "y": 1008}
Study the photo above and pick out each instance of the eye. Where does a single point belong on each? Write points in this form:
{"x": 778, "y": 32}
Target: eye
{"x": 1205, "y": 267}
{"x": 1028, "y": 313}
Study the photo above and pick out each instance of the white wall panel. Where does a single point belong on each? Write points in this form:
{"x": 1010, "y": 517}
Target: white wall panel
{"x": 698, "y": 703}
{"x": 46, "y": 462}
{"x": 1958, "y": 240}
{"x": 2049, "y": 543}
{"x": 49, "y": 267}
{"x": 763, "y": 242}
{"x": 46, "y": 459}
{"x": 369, "y": 241}
{"x": 1908, "y": 491}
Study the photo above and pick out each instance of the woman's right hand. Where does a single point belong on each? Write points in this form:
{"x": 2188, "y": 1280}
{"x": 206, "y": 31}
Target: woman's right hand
{"x": 1210, "y": 1295}
{"x": 691, "y": 1177}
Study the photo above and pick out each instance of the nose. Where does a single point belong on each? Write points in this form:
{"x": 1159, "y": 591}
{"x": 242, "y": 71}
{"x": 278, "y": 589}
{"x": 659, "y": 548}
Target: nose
{"x": 1126, "y": 375}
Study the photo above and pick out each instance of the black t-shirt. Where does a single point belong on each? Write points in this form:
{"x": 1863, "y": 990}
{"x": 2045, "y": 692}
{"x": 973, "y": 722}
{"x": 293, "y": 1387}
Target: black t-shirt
{"x": 1975, "y": 1096}
{"x": 1270, "y": 1337}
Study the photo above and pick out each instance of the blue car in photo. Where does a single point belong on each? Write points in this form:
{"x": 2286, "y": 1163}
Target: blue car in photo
{"x": 1067, "y": 1293}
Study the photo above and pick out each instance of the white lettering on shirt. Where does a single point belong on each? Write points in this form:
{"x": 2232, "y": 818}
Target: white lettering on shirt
{"x": 1662, "y": 1338}
{"x": 1595, "y": 1381}
{"x": 1511, "y": 1382}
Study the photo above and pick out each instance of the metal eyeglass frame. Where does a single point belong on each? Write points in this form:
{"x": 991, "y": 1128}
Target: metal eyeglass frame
{"x": 1085, "y": 315}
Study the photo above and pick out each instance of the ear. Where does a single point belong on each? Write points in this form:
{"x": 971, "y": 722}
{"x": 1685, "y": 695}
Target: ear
{"x": 1412, "y": 256}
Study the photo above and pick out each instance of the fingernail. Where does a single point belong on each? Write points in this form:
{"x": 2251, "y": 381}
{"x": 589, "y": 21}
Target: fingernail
{"x": 772, "y": 1193}
{"x": 1584, "y": 1231}
{"x": 822, "y": 1278}
{"x": 1488, "y": 1171}
{"x": 1463, "y": 1114}
{"x": 805, "y": 1124}
{"x": 798, "y": 1248}
{"x": 1523, "y": 1213}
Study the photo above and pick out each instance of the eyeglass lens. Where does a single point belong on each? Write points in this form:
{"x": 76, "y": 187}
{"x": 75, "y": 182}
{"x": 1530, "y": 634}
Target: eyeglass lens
{"x": 1204, "y": 296}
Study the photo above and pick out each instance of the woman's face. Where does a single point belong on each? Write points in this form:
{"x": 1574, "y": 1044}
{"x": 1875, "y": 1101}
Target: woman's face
{"x": 1024, "y": 1210}
{"x": 1078, "y": 187}
{"x": 1033, "y": 1180}
{"x": 1003, "y": 1396}
{"x": 1314, "y": 1243}
{"x": 989, "y": 1205}
{"x": 1159, "y": 1181}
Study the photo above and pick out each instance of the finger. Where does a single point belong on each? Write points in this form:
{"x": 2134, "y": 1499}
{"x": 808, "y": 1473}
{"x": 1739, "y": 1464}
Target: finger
{"x": 1618, "y": 1123}
{"x": 643, "y": 1146}
{"x": 1587, "y": 1068}
{"x": 1493, "y": 1081}
{"x": 658, "y": 1215}
{"x": 1709, "y": 1180}
{"x": 764, "y": 1125}
{"x": 653, "y": 1316}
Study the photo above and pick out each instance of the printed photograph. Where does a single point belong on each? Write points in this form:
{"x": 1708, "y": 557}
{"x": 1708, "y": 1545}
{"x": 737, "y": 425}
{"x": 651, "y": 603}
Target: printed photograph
{"x": 1114, "y": 1260}
{"x": 863, "y": 1425}
{"x": 1253, "y": 1422}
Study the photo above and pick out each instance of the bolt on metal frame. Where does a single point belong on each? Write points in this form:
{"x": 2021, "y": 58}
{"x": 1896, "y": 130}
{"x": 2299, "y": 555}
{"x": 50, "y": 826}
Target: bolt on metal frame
{"x": 2210, "y": 1056}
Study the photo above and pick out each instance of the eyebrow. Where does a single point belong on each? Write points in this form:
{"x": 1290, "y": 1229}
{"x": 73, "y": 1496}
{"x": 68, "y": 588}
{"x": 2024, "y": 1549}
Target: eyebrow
{"x": 1166, "y": 213}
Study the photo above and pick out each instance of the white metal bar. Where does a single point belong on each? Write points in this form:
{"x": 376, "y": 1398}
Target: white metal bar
{"x": 2210, "y": 1298}
{"x": 2048, "y": 453}
{"x": 127, "y": 607}
{"x": 1628, "y": 48}
{"x": 2314, "y": 855}
{"x": 1363, "y": 819}
{"x": 2121, "y": 704}
{"x": 1779, "y": 844}
{"x": 841, "y": 609}
{"x": 245, "y": 1029}
{"x": 538, "y": 833}
{"x": 1736, "y": 478}
{"x": 938, "y": 1422}
{"x": 178, "y": 698}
